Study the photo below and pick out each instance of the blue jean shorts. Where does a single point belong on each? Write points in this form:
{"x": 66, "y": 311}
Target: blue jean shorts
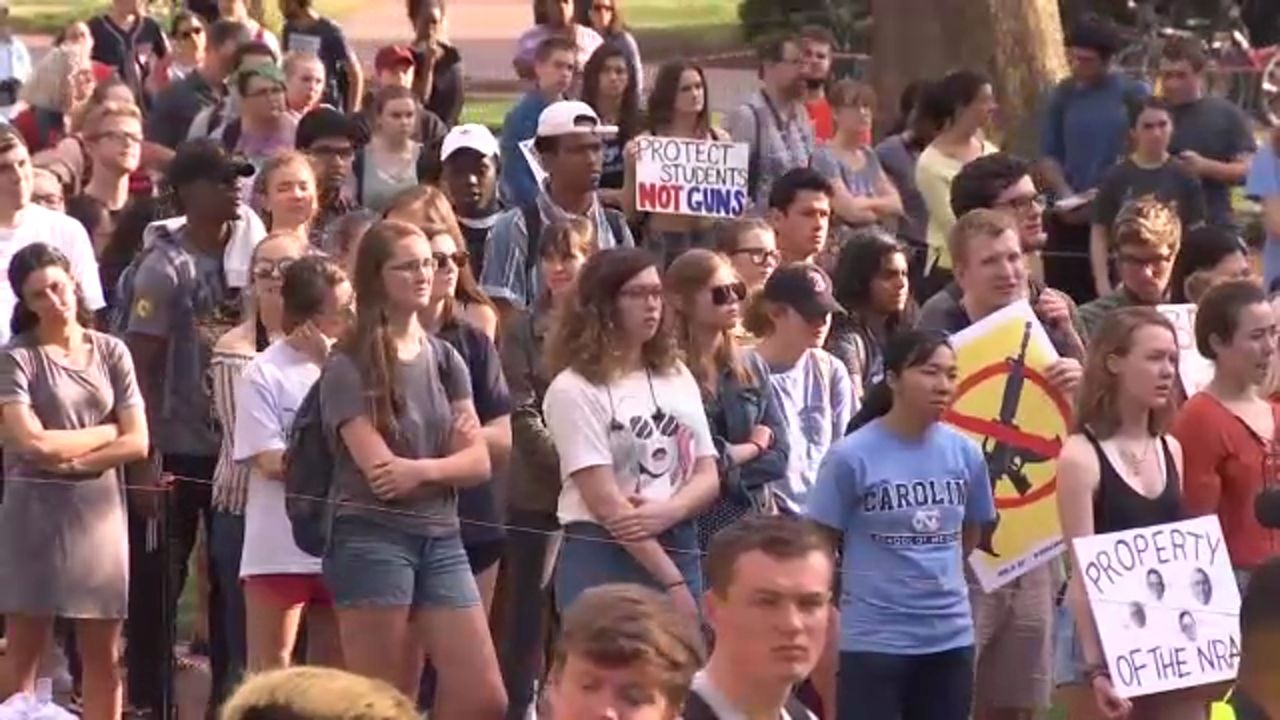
{"x": 591, "y": 557}
{"x": 1068, "y": 657}
{"x": 372, "y": 565}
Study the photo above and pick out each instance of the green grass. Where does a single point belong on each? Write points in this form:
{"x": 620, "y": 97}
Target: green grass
{"x": 674, "y": 27}
{"x": 51, "y": 16}
{"x": 488, "y": 110}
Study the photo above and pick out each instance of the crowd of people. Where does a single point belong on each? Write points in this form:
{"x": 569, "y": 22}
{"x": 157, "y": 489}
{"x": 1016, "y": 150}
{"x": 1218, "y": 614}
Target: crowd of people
{"x": 578, "y": 460}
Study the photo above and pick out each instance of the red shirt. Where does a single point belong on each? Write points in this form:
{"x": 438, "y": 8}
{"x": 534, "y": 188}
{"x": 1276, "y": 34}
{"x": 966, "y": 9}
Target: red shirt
{"x": 824, "y": 119}
{"x": 1223, "y": 472}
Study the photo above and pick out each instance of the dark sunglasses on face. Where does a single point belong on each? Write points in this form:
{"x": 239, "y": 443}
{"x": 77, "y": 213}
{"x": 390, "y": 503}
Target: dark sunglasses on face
{"x": 267, "y": 269}
{"x": 458, "y": 259}
{"x": 727, "y": 294}
{"x": 758, "y": 256}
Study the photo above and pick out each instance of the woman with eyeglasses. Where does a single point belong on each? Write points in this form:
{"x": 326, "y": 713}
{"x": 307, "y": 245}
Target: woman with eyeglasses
{"x": 746, "y": 424}
{"x": 626, "y": 417}
{"x": 864, "y": 194}
{"x": 263, "y": 325}
{"x": 792, "y": 316}
{"x": 872, "y": 287}
{"x": 534, "y": 480}
{"x": 185, "y": 55}
{"x": 406, "y": 438}
{"x": 678, "y": 108}
{"x": 906, "y": 637}
{"x": 393, "y": 160}
{"x": 606, "y": 18}
{"x": 752, "y": 249}
{"x": 72, "y": 415}
{"x": 609, "y": 87}
{"x": 286, "y": 188}
{"x": 281, "y": 583}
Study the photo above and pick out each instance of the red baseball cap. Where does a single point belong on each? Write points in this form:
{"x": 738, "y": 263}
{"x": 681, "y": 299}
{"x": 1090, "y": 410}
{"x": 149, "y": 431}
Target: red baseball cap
{"x": 391, "y": 56}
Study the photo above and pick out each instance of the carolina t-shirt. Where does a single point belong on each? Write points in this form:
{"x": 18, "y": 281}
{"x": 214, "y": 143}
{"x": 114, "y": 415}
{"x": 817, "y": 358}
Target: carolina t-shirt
{"x": 268, "y": 395}
{"x": 40, "y": 224}
{"x": 649, "y": 427}
{"x": 901, "y": 505}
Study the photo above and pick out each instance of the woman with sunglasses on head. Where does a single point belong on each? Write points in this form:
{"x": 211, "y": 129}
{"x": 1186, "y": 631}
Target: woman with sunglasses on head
{"x": 678, "y": 108}
{"x": 398, "y": 403}
{"x": 636, "y": 456}
{"x": 281, "y": 582}
{"x": 72, "y": 415}
{"x": 1120, "y": 470}
{"x": 534, "y": 480}
{"x": 609, "y": 86}
{"x": 286, "y": 188}
{"x": 792, "y": 316}
{"x": 452, "y": 289}
{"x": 263, "y": 325}
{"x": 426, "y": 206}
{"x": 873, "y": 289}
{"x": 752, "y": 248}
{"x": 746, "y": 424}
{"x": 906, "y": 629}
{"x": 185, "y": 55}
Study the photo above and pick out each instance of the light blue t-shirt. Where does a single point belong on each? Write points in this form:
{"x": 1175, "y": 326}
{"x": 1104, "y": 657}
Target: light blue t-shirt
{"x": 816, "y": 399}
{"x": 901, "y": 505}
{"x": 1264, "y": 182}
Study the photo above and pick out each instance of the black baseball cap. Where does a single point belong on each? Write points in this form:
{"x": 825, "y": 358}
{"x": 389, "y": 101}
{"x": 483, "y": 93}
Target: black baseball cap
{"x": 805, "y": 288}
{"x": 205, "y": 159}
{"x": 324, "y": 121}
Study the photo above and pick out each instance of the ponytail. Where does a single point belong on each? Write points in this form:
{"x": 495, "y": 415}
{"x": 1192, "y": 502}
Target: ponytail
{"x": 877, "y": 403}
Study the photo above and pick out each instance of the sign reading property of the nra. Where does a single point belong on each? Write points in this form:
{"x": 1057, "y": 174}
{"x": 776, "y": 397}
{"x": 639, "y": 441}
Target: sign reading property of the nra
{"x": 682, "y": 176}
{"x": 1166, "y": 604}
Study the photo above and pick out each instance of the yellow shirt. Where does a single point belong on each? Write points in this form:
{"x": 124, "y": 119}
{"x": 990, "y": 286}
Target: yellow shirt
{"x": 934, "y": 173}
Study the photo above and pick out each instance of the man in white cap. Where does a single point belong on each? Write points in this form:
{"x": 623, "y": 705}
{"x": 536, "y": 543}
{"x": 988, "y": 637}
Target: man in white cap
{"x": 570, "y": 149}
{"x": 469, "y": 156}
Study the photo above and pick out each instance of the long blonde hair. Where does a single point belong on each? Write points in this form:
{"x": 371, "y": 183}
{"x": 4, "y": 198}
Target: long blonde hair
{"x": 687, "y": 276}
{"x": 52, "y": 78}
{"x": 316, "y": 693}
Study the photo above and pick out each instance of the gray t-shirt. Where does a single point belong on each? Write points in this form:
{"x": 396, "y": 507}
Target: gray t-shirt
{"x": 1218, "y": 130}
{"x": 861, "y": 182}
{"x": 427, "y": 385}
{"x": 779, "y": 141}
{"x": 181, "y": 295}
{"x": 899, "y": 163}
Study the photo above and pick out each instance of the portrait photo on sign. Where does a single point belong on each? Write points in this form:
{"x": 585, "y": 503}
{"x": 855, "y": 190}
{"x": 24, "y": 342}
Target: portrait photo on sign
{"x": 1166, "y": 605}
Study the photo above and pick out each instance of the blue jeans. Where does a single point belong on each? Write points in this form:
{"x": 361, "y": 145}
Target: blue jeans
{"x": 590, "y": 557}
{"x": 374, "y": 565}
{"x": 226, "y": 541}
{"x": 881, "y": 686}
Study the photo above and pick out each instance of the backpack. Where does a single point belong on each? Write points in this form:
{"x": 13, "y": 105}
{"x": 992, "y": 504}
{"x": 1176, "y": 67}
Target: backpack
{"x": 695, "y": 708}
{"x": 308, "y": 467}
{"x": 533, "y": 232}
{"x": 121, "y": 308}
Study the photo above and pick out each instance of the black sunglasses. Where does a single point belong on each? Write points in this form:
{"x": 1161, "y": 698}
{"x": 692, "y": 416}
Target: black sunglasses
{"x": 730, "y": 293}
{"x": 458, "y": 259}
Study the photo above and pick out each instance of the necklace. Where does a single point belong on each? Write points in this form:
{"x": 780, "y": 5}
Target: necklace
{"x": 1132, "y": 460}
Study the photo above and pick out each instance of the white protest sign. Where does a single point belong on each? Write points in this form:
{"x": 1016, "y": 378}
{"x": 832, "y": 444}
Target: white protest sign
{"x": 1166, "y": 605}
{"x": 1195, "y": 369}
{"x": 535, "y": 161}
{"x": 682, "y": 176}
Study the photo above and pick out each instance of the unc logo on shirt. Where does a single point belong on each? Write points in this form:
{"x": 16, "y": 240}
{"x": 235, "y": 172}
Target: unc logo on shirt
{"x": 927, "y": 521}
{"x": 916, "y": 512}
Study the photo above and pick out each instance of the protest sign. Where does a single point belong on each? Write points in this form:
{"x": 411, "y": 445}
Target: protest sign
{"x": 1166, "y": 604}
{"x": 683, "y": 176}
{"x": 1004, "y": 403}
{"x": 1194, "y": 369}
{"x": 535, "y": 161}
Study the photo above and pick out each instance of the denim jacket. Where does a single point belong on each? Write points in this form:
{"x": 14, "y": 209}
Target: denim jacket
{"x": 732, "y": 414}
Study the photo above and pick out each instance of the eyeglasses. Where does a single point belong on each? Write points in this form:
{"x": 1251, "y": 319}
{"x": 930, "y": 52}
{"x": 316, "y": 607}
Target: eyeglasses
{"x": 268, "y": 269}
{"x": 728, "y": 294}
{"x": 642, "y": 292}
{"x": 1151, "y": 261}
{"x": 266, "y": 92}
{"x": 458, "y": 259}
{"x": 342, "y": 153}
{"x": 1026, "y": 203}
{"x": 118, "y": 136}
{"x": 759, "y": 256}
{"x": 408, "y": 267}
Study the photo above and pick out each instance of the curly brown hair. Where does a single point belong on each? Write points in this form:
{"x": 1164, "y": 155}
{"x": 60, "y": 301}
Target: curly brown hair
{"x": 584, "y": 334}
{"x": 1150, "y": 222}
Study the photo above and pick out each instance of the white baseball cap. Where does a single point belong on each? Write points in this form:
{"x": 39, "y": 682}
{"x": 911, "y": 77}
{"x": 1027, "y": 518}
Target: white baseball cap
{"x": 471, "y": 136}
{"x": 571, "y": 117}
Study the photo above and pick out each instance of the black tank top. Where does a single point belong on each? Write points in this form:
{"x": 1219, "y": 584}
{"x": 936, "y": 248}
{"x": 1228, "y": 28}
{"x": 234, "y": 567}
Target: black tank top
{"x": 1117, "y": 506}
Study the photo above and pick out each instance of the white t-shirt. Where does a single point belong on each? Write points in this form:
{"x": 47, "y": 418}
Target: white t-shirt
{"x": 36, "y": 223}
{"x": 661, "y": 429}
{"x": 721, "y": 706}
{"x": 268, "y": 395}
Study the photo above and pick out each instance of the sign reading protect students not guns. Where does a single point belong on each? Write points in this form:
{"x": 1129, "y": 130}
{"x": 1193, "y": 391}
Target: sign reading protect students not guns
{"x": 682, "y": 176}
{"x": 1166, "y": 604}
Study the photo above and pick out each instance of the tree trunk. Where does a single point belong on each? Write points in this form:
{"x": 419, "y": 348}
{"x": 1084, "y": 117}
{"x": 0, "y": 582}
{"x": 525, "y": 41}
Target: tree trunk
{"x": 1018, "y": 43}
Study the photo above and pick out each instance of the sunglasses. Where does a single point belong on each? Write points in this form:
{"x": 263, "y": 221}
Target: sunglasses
{"x": 267, "y": 269}
{"x": 458, "y": 259}
{"x": 728, "y": 294}
{"x": 759, "y": 256}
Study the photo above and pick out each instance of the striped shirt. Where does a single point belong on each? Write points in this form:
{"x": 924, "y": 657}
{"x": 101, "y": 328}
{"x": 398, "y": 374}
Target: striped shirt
{"x": 230, "y": 479}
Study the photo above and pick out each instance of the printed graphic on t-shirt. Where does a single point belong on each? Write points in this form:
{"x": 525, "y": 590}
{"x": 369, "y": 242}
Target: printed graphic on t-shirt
{"x": 304, "y": 43}
{"x": 926, "y": 512}
{"x": 651, "y": 451}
